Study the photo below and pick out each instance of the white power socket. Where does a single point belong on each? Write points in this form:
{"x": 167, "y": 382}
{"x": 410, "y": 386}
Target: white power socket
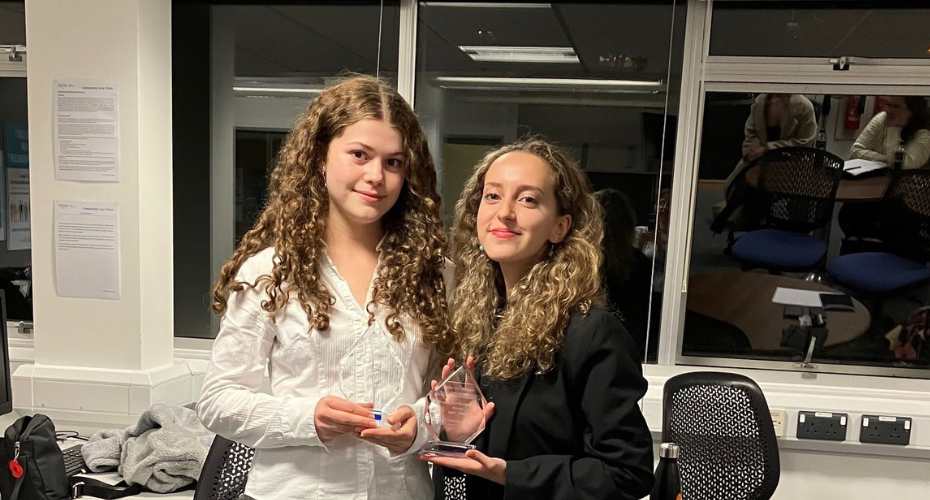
{"x": 779, "y": 421}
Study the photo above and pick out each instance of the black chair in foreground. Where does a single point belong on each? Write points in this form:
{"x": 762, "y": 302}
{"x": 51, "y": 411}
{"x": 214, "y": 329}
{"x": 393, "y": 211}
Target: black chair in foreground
{"x": 795, "y": 189}
{"x": 723, "y": 427}
{"x": 225, "y": 472}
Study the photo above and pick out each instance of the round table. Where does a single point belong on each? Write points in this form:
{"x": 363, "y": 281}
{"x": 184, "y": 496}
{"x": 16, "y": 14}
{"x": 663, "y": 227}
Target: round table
{"x": 744, "y": 300}
{"x": 855, "y": 189}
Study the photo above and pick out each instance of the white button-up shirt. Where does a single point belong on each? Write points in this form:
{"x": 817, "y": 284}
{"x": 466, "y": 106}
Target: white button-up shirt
{"x": 352, "y": 360}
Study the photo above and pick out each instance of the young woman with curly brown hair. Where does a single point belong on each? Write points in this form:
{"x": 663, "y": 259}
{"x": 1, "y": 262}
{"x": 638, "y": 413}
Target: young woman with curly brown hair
{"x": 338, "y": 293}
{"x": 561, "y": 370}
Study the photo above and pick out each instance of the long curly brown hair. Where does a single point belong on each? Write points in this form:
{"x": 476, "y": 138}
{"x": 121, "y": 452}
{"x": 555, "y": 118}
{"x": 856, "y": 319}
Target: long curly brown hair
{"x": 409, "y": 278}
{"x": 513, "y": 335}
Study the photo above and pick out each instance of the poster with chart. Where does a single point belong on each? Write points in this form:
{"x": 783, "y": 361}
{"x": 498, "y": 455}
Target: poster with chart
{"x": 18, "y": 209}
{"x": 86, "y": 118}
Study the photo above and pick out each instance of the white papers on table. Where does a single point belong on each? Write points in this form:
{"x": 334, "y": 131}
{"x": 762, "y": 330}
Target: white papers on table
{"x": 87, "y": 249}
{"x": 86, "y": 132}
{"x": 797, "y": 297}
{"x": 859, "y": 167}
{"x": 18, "y": 209}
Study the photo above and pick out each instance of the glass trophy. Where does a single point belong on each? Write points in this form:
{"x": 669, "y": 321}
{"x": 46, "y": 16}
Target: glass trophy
{"x": 454, "y": 415}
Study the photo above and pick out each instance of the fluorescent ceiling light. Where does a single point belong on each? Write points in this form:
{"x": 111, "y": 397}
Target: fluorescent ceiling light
{"x": 277, "y": 90}
{"x": 482, "y": 5}
{"x": 556, "y": 84}
{"x": 493, "y": 53}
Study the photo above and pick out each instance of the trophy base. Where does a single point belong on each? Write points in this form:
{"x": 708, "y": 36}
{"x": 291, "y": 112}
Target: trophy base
{"x": 446, "y": 449}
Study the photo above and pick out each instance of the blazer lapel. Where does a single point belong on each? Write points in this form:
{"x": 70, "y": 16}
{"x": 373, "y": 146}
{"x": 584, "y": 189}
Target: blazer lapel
{"x": 507, "y": 397}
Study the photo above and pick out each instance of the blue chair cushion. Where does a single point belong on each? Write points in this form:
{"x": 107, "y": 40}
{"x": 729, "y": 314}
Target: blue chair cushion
{"x": 777, "y": 249}
{"x": 877, "y": 272}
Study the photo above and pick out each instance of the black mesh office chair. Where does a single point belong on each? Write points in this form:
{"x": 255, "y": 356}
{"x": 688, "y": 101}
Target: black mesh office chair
{"x": 225, "y": 472}
{"x": 795, "y": 193}
{"x": 723, "y": 427}
{"x": 899, "y": 264}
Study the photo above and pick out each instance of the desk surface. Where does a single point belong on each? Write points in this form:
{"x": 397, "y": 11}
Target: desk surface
{"x": 113, "y": 478}
{"x": 744, "y": 300}
{"x": 854, "y": 189}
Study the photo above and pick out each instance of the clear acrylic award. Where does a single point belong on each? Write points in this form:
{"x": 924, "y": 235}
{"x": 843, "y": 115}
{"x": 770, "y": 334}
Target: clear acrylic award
{"x": 454, "y": 415}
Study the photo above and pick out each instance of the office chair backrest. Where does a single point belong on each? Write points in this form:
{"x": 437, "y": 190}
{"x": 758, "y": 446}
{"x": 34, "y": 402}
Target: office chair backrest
{"x": 906, "y": 214}
{"x": 225, "y": 471}
{"x": 723, "y": 426}
{"x": 798, "y": 187}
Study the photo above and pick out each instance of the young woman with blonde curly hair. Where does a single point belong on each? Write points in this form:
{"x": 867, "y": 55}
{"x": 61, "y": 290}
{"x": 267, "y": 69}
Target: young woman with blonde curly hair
{"x": 338, "y": 292}
{"x": 562, "y": 371}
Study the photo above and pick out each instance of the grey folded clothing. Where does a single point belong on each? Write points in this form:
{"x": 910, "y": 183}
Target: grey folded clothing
{"x": 164, "y": 451}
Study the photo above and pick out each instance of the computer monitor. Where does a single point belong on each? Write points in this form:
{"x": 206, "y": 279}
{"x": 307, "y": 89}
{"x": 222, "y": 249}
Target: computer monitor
{"x": 6, "y": 391}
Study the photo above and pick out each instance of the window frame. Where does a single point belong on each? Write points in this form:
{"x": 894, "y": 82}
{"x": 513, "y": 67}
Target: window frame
{"x": 12, "y": 69}
{"x": 17, "y": 330}
{"x": 704, "y": 73}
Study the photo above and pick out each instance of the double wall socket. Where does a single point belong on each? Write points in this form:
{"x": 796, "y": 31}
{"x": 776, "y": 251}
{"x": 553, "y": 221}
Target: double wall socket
{"x": 822, "y": 425}
{"x": 885, "y": 430}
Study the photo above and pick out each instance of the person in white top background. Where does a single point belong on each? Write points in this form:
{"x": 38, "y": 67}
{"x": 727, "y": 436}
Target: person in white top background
{"x": 904, "y": 124}
{"x": 336, "y": 294}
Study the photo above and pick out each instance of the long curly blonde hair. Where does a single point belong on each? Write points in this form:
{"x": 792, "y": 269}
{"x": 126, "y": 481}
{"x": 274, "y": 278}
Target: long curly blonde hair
{"x": 513, "y": 335}
{"x": 409, "y": 278}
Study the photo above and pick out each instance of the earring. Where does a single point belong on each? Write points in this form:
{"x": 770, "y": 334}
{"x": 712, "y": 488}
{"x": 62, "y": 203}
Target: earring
{"x": 551, "y": 250}
{"x": 481, "y": 248}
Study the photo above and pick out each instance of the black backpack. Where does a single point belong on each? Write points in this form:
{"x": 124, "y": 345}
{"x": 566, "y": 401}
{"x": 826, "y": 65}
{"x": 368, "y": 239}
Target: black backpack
{"x": 33, "y": 467}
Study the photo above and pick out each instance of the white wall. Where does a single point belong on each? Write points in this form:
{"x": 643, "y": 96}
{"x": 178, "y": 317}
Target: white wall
{"x": 95, "y": 359}
{"x": 126, "y": 43}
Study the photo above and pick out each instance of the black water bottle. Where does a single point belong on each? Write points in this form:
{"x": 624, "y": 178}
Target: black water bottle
{"x": 899, "y": 156}
{"x": 821, "y": 142}
{"x": 668, "y": 480}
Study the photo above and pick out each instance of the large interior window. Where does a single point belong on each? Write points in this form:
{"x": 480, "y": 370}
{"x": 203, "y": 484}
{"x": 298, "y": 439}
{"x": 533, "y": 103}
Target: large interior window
{"x": 600, "y": 79}
{"x": 15, "y": 218}
{"x": 267, "y": 61}
{"x": 784, "y": 239}
{"x": 809, "y": 240}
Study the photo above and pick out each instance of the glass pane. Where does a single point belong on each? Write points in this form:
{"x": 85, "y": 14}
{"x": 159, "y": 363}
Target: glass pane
{"x": 825, "y": 198}
{"x": 15, "y": 226}
{"x": 594, "y": 78}
{"x": 12, "y": 23}
{"x": 884, "y": 29}
{"x": 274, "y": 58}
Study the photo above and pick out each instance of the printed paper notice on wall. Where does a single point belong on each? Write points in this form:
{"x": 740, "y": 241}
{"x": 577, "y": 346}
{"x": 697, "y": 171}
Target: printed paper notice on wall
{"x": 87, "y": 242}
{"x": 86, "y": 132}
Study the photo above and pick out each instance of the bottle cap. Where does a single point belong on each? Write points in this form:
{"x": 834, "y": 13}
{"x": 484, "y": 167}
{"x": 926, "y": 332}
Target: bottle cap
{"x": 668, "y": 450}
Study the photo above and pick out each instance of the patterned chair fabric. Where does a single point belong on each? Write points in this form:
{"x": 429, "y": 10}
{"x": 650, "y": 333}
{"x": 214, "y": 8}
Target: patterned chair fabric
{"x": 226, "y": 471}
{"x": 722, "y": 424}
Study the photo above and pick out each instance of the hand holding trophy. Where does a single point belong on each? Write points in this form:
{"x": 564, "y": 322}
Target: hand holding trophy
{"x": 455, "y": 413}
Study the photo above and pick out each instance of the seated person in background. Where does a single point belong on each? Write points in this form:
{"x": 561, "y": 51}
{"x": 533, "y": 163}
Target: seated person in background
{"x": 626, "y": 270}
{"x": 905, "y": 121}
{"x": 775, "y": 121}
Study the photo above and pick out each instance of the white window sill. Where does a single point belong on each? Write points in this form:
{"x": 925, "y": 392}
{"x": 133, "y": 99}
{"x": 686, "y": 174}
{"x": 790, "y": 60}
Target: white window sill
{"x": 784, "y": 390}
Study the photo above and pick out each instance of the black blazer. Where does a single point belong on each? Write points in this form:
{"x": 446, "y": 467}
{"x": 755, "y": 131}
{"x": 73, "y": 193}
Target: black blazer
{"x": 575, "y": 432}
